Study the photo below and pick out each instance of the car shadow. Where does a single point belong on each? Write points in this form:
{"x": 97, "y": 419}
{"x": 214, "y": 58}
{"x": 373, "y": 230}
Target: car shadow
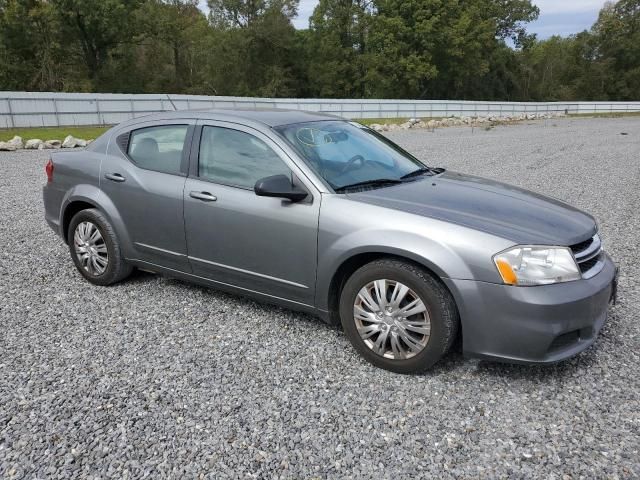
{"x": 453, "y": 363}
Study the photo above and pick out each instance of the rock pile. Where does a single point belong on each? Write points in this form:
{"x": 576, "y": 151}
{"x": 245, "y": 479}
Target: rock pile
{"x": 476, "y": 121}
{"x": 16, "y": 143}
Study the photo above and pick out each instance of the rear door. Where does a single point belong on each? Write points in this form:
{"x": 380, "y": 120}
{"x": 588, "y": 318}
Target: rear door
{"x": 144, "y": 176}
{"x": 267, "y": 245}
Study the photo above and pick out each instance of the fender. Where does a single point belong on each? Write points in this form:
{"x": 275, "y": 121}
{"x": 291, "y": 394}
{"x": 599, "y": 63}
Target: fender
{"x": 418, "y": 249}
{"x": 349, "y": 228}
{"x": 91, "y": 194}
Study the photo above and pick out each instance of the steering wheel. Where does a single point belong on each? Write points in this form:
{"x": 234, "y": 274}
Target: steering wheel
{"x": 351, "y": 163}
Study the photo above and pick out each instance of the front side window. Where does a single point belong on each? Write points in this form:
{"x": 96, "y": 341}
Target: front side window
{"x": 236, "y": 158}
{"x": 347, "y": 154}
{"x": 158, "y": 148}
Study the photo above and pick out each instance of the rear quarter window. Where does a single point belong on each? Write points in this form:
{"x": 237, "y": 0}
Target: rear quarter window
{"x": 158, "y": 148}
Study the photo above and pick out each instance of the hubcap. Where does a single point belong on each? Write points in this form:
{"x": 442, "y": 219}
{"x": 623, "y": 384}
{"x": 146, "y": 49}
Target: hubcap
{"x": 391, "y": 319}
{"x": 90, "y": 248}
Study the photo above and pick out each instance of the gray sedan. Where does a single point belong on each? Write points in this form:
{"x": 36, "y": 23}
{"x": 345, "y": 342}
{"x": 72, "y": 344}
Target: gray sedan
{"x": 326, "y": 216}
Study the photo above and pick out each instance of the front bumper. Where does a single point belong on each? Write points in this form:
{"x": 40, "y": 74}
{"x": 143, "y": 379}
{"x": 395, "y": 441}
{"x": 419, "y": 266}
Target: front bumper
{"x": 543, "y": 324}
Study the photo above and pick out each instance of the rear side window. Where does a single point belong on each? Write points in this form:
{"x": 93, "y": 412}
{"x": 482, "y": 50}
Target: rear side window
{"x": 236, "y": 158}
{"x": 158, "y": 148}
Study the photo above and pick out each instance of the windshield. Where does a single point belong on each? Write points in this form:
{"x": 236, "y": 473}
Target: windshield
{"x": 347, "y": 154}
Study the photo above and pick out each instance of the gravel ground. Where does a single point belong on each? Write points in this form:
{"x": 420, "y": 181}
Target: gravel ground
{"x": 155, "y": 377}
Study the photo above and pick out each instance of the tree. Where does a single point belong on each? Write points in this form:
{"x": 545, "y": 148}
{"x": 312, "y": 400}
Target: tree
{"x": 245, "y": 13}
{"x": 255, "y": 51}
{"x": 97, "y": 27}
{"x": 176, "y": 30}
{"x": 337, "y": 48}
{"x": 441, "y": 48}
{"x": 30, "y": 51}
{"x": 617, "y": 34}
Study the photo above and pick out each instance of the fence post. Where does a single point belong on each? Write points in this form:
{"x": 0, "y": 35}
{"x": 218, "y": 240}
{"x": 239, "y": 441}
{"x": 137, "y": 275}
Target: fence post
{"x": 99, "y": 115}
{"x": 55, "y": 110}
{"x": 13, "y": 123}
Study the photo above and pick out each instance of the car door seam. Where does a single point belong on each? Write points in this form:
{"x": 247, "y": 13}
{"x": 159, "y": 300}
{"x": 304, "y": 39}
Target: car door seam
{"x": 242, "y": 270}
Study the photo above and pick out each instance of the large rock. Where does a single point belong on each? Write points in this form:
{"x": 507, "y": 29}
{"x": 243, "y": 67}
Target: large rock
{"x": 70, "y": 142}
{"x": 7, "y": 147}
{"x": 52, "y": 144}
{"x": 376, "y": 126}
{"x": 34, "y": 144}
{"x": 16, "y": 142}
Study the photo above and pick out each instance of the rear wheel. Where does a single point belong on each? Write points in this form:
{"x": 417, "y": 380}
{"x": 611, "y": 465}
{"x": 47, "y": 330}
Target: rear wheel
{"x": 398, "y": 316}
{"x": 95, "y": 249}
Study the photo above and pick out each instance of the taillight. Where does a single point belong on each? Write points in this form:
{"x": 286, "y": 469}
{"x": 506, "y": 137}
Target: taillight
{"x": 49, "y": 169}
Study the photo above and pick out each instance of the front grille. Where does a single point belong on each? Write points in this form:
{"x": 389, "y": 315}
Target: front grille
{"x": 588, "y": 255}
{"x": 589, "y": 264}
{"x": 579, "y": 247}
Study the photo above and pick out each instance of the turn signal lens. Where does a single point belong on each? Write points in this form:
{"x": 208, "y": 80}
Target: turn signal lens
{"x": 506, "y": 272}
{"x": 536, "y": 265}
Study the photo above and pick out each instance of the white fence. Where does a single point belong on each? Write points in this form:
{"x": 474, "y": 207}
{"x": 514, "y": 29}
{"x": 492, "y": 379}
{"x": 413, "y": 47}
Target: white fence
{"x": 33, "y": 109}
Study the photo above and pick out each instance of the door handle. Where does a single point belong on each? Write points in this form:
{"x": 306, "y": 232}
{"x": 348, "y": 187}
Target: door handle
{"x": 204, "y": 196}
{"x": 114, "y": 177}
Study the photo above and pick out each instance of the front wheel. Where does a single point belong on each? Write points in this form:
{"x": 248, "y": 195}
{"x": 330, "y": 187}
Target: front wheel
{"x": 398, "y": 316}
{"x": 95, "y": 249}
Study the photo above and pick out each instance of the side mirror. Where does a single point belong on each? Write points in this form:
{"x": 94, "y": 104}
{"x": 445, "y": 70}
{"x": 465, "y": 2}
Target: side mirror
{"x": 279, "y": 186}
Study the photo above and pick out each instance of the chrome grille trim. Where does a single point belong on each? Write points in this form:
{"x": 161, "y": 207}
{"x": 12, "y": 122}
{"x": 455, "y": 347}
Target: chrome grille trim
{"x": 590, "y": 251}
{"x": 585, "y": 253}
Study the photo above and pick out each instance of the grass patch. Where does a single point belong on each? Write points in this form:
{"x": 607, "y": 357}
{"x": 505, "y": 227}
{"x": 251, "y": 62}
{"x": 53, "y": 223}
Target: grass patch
{"x": 381, "y": 121}
{"x": 391, "y": 121}
{"x": 605, "y": 115}
{"x": 52, "y": 133}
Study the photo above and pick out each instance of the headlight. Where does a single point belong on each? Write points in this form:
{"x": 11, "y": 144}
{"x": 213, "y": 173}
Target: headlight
{"x": 531, "y": 265}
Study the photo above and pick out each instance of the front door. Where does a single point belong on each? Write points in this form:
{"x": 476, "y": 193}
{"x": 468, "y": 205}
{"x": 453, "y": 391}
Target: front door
{"x": 144, "y": 176}
{"x": 266, "y": 245}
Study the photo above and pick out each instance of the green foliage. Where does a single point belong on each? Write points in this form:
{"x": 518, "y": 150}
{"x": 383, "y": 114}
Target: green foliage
{"x": 337, "y": 49}
{"x": 253, "y": 47}
{"x": 53, "y": 133}
{"x": 30, "y": 50}
{"x": 448, "y": 49}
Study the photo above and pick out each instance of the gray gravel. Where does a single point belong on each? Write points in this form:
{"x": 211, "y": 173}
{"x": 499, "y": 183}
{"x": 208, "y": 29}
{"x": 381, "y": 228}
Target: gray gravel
{"x": 155, "y": 377}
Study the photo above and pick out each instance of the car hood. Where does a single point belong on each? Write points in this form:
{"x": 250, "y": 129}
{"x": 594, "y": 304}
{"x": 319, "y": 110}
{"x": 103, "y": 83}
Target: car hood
{"x": 509, "y": 212}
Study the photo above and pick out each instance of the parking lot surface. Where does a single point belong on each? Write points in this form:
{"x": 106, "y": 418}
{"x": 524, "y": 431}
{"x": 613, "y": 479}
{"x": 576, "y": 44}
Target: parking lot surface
{"x": 155, "y": 377}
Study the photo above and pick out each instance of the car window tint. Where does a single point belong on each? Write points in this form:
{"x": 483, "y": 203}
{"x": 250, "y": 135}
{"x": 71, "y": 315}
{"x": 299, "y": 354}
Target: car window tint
{"x": 232, "y": 157}
{"x": 158, "y": 148}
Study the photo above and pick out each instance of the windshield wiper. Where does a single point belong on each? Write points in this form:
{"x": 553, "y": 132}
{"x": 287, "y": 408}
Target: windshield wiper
{"x": 378, "y": 182}
{"x": 415, "y": 173}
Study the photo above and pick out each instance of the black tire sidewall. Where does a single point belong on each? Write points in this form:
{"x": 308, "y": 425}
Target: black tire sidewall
{"x": 95, "y": 217}
{"x": 429, "y": 291}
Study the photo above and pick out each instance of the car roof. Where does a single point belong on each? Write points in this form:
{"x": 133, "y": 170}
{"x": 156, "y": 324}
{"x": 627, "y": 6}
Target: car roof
{"x": 271, "y": 117}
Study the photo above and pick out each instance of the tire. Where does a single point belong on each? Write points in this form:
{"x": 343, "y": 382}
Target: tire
{"x": 109, "y": 266}
{"x": 430, "y": 332}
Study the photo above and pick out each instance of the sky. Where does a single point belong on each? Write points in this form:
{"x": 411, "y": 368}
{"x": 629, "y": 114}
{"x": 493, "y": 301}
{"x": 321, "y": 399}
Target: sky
{"x": 557, "y": 17}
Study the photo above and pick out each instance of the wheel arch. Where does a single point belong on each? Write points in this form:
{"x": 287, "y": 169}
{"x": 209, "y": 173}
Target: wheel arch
{"x": 70, "y": 210}
{"x": 357, "y": 260}
{"x": 83, "y": 197}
